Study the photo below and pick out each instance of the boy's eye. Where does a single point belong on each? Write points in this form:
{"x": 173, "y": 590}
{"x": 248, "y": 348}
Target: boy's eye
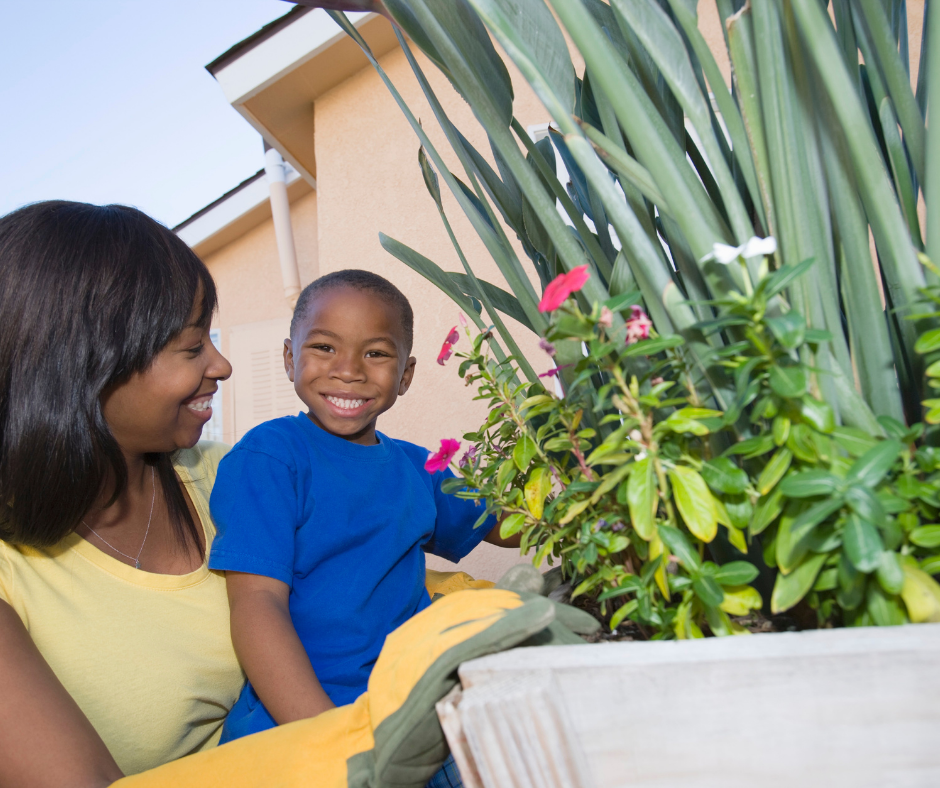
{"x": 195, "y": 350}
{"x": 376, "y": 354}
{"x": 323, "y": 348}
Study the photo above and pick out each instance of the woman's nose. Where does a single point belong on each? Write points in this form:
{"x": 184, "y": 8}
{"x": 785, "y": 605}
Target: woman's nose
{"x": 219, "y": 366}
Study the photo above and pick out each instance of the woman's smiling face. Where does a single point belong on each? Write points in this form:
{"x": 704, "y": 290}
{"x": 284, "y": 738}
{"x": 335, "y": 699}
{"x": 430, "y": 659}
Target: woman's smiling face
{"x": 348, "y": 361}
{"x": 165, "y": 407}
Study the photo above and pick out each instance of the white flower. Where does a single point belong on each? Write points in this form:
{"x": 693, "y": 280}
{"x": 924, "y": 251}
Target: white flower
{"x": 755, "y": 247}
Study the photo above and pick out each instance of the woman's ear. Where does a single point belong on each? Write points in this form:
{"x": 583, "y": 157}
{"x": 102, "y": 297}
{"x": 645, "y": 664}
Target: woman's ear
{"x": 407, "y": 375}
{"x": 289, "y": 360}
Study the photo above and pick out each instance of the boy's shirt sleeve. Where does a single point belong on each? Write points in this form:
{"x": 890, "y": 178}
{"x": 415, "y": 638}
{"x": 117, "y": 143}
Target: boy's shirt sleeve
{"x": 454, "y": 534}
{"x": 255, "y": 507}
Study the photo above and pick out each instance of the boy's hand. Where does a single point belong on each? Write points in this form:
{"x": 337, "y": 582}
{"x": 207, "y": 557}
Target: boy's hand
{"x": 493, "y": 536}
{"x": 269, "y": 650}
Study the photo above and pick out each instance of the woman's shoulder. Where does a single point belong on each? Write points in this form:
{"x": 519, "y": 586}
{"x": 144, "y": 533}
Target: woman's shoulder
{"x": 202, "y": 459}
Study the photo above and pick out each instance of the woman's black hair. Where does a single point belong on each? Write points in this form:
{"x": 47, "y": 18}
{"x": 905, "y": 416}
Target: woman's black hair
{"x": 88, "y": 296}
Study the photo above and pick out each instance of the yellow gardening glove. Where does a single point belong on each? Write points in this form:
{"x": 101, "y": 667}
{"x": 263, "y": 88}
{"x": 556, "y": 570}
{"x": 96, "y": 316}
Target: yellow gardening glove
{"x": 390, "y": 737}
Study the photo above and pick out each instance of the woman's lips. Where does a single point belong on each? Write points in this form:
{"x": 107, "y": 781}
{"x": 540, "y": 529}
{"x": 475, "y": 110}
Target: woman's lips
{"x": 200, "y": 406}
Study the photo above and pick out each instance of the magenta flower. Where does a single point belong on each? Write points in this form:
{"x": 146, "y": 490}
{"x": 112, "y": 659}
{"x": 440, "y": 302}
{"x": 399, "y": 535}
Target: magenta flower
{"x": 547, "y": 346}
{"x": 563, "y": 286}
{"x": 441, "y": 458}
{"x": 638, "y": 326}
{"x": 447, "y": 349}
{"x": 469, "y": 457}
{"x": 553, "y": 373}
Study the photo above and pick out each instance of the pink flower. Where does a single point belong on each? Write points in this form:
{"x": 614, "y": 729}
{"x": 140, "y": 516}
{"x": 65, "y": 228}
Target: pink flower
{"x": 547, "y": 346}
{"x": 552, "y": 373}
{"x": 606, "y": 319}
{"x": 447, "y": 349}
{"x": 461, "y": 319}
{"x": 638, "y": 326}
{"x": 563, "y": 286}
{"x": 469, "y": 457}
{"x": 441, "y": 458}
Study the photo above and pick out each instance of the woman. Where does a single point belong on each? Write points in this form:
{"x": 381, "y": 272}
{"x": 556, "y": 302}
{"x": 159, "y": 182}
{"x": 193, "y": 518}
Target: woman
{"x": 115, "y": 653}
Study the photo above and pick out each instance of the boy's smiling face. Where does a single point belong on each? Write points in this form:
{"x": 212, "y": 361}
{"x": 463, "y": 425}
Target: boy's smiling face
{"x": 348, "y": 361}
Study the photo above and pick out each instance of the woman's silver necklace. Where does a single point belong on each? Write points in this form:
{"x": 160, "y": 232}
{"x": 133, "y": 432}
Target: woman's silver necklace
{"x": 146, "y": 533}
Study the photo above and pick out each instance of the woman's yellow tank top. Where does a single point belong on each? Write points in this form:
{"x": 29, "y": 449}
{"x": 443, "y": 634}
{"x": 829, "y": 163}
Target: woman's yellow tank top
{"x": 147, "y": 657}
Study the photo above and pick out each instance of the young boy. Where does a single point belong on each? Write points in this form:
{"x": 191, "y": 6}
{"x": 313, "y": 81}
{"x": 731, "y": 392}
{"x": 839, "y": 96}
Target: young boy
{"x": 322, "y": 521}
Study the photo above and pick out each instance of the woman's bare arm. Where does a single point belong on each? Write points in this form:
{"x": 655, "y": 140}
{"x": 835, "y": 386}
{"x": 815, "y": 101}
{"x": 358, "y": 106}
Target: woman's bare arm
{"x": 269, "y": 649}
{"x": 45, "y": 740}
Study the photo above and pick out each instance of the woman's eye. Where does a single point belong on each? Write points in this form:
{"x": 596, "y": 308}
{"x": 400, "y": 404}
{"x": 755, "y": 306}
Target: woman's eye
{"x": 196, "y": 350}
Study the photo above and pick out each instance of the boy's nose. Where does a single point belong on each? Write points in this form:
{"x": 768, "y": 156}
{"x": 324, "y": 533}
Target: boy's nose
{"x": 348, "y": 367}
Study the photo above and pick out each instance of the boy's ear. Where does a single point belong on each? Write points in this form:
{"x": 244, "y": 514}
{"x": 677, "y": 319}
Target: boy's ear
{"x": 289, "y": 360}
{"x": 407, "y": 375}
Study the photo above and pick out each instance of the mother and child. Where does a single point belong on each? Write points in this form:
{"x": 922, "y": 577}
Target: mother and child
{"x": 143, "y": 573}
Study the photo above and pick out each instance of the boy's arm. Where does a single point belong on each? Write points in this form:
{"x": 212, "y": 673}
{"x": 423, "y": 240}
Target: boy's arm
{"x": 269, "y": 649}
{"x": 493, "y": 536}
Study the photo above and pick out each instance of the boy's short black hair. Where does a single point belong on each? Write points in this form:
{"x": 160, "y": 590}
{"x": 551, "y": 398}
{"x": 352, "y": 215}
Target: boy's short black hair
{"x": 358, "y": 280}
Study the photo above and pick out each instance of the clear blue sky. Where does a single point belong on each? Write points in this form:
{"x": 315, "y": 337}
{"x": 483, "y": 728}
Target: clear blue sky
{"x": 109, "y": 101}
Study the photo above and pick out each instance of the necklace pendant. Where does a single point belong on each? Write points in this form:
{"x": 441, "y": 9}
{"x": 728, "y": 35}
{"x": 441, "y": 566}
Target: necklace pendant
{"x": 136, "y": 564}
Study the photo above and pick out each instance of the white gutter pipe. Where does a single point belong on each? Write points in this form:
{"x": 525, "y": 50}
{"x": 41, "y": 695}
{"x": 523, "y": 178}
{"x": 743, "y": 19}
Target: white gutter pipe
{"x": 276, "y": 173}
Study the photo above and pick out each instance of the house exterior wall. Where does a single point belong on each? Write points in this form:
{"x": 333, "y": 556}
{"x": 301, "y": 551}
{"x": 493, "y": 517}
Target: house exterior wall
{"x": 369, "y": 181}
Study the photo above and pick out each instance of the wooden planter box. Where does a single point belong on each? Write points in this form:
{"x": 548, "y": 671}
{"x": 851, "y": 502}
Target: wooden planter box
{"x": 848, "y": 707}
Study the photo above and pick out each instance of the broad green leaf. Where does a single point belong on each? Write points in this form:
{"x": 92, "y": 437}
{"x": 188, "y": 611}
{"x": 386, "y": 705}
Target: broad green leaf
{"x": 741, "y": 600}
{"x": 787, "y": 382}
{"x": 921, "y": 593}
{"x": 782, "y": 278}
{"x": 789, "y": 329}
{"x": 767, "y": 510}
{"x": 506, "y": 473}
{"x": 574, "y": 510}
{"x": 695, "y": 502}
{"x": 810, "y": 483}
{"x": 628, "y": 608}
{"x": 642, "y": 497}
{"x": 926, "y": 536}
{"x": 774, "y": 470}
{"x": 928, "y": 342}
{"x": 871, "y": 467}
{"x": 781, "y": 430}
{"x": 862, "y": 543}
{"x": 791, "y": 588}
{"x": 722, "y": 475}
{"x": 856, "y": 442}
{"x": 736, "y": 573}
{"x": 523, "y": 452}
{"x": 679, "y": 545}
{"x": 511, "y": 525}
{"x": 792, "y": 533}
{"x": 737, "y": 538}
{"x": 536, "y": 489}
{"x": 657, "y": 550}
{"x": 890, "y": 573}
{"x": 818, "y": 414}
{"x": 708, "y": 590}
{"x": 886, "y": 610}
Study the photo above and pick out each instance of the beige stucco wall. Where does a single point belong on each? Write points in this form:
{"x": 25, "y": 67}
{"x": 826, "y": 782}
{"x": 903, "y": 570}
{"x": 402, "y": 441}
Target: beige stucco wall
{"x": 247, "y": 274}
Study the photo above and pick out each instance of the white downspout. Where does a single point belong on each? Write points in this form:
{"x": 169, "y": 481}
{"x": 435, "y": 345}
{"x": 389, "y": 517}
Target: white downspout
{"x": 280, "y": 211}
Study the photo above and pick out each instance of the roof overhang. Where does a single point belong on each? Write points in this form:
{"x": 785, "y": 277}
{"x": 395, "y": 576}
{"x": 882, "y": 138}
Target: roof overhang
{"x": 235, "y": 213}
{"x": 274, "y": 77}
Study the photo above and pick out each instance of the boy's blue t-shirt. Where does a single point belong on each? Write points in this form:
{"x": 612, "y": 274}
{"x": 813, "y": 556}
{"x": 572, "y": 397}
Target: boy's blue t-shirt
{"x": 345, "y": 526}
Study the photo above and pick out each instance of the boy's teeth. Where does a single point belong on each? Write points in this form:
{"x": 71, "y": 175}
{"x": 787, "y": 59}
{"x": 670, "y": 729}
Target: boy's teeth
{"x": 204, "y": 405}
{"x": 346, "y": 404}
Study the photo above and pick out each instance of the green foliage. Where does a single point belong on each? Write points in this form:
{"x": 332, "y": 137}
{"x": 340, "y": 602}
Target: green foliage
{"x": 631, "y": 506}
{"x": 786, "y": 424}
